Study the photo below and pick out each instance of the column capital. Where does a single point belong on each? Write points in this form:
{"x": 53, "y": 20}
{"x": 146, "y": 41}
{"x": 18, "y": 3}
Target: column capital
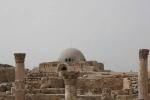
{"x": 143, "y": 54}
{"x": 70, "y": 75}
{"x": 19, "y": 57}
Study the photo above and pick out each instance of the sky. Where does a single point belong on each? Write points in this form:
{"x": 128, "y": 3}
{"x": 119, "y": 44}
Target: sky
{"x": 108, "y": 31}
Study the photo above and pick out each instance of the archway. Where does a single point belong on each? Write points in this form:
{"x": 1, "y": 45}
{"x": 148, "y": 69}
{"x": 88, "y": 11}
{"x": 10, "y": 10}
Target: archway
{"x": 63, "y": 68}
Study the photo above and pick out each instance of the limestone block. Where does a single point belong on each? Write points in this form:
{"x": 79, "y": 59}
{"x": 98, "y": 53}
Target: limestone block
{"x": 11, "y": 97}
{"x": 30, "y": 91}
{"x": 44, "y": 91}
{"x": 2, "y": 93}
{"x": 2, "y": 88}
{"x": 126, "y": 83}
{"x": 112, "y": 97}
{"x": 96, "y": 85}
{"x": 36, "y": 91}
{"x": 8, "y": 93}
{"x": 43, "y": 86}
{"x": 31, "y": 97}
{"x": 126, "y": 97}
{"x": 106, "y": 94}
{"x": 118, "y": 92}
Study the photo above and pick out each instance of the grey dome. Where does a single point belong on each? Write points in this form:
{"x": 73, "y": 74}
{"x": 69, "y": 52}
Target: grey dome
{"x": 71, "y": 54}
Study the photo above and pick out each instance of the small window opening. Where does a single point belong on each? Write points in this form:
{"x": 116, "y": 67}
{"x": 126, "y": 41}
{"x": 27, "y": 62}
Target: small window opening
{"x": 64, "y": 68}
{"x": 69, "y": 59}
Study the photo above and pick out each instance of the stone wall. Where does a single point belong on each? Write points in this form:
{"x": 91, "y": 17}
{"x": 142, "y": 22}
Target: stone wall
{"x": 56, "y": 83}
{"x": 48, "y": 97}
{"x": 95, "y": 86}
{"x": 62, "y": 97}
{"x": 7, "y": 74}
{"x": 126, "y": 97}
{"x": 5, "y": 87}
{"x": 131, "y": 83}
{"x": 48, "y": 67}
{"x": 46, "y": 91}
{"x": 72, "y": 66}
{"x": 7, "y": 97}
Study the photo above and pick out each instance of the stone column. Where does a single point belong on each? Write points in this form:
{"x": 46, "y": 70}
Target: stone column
{"x": 143, "y": 74}
{"x": 106, "y": 94}
{"x": 19, "y": 76}
{"x": 70, "y": 79}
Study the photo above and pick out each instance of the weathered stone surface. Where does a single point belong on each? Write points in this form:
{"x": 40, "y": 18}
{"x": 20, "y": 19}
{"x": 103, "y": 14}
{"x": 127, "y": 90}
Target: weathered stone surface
{"x": 70, "y": 79}
{"x": 70, "y": 75}
{"x": 106, "y": 94}
{"x": 19, "y": 95}
{"x": 143, "y": 54}
{"x": 8, "y": 93}
{"x": 19, "y": 76}
{"x": 143, "y": 74}
{"x": 5, "y": 87}
{"x": 7, "y": 74}
{"x": 96, "y": 85}
{"x": 19, "y": 57}
{"x": 126, "y": 97}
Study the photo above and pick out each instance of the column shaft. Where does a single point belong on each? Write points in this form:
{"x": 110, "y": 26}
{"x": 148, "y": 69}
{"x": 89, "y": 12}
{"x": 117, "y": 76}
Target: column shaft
{"x": 70, "y": 92}
{"x": 19, "y": 76}
{"x": 70, "y": 79}
{"x": 143, "y": 74}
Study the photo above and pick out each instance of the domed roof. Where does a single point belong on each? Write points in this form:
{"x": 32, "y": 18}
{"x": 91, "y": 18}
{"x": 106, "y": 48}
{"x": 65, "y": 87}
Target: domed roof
{"x": 71, "y": 54}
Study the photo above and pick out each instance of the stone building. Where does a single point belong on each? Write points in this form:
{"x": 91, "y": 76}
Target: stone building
{"x": 71, "y": 59}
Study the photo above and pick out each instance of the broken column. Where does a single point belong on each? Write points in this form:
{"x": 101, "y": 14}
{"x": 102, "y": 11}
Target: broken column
{"x": 19, "y": 76}
{"x": 106, "y": 94}
{"x": 143, "y": 74}
{"x": 70, "y": 79}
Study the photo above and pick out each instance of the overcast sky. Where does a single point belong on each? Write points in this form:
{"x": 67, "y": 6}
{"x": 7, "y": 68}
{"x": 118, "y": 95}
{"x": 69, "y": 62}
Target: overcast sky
{"x": 109, "y": 31}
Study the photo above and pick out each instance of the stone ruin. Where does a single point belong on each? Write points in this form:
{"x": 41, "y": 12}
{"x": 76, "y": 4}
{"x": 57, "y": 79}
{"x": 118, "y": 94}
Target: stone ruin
{"x": 16, "y": 83}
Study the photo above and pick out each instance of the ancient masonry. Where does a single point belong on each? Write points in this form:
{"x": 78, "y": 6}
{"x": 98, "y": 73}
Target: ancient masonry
{"x": 19, "y": 76}
{"x": 70, "y": 79}
{"x": 73, "y": 79}
{"x": 143, "y": 74}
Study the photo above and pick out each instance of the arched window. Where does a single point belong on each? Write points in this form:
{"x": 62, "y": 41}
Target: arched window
{"x": 66, "y": 59}
{"x": 64, "y": 68}
{"x": 69, "y": 59}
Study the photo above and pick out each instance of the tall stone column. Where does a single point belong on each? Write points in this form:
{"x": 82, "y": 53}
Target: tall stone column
{"x": 19, "y": 76}
{"x": 70, "y": 79}
{"x": 143, "y": 74}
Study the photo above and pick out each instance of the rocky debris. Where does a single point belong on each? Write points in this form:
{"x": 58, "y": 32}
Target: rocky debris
{"x": 8, "y": 93}
{"x": 84, "y": 76}
{"x": 5, "y": 87}
{"x": 105, "y": 73}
